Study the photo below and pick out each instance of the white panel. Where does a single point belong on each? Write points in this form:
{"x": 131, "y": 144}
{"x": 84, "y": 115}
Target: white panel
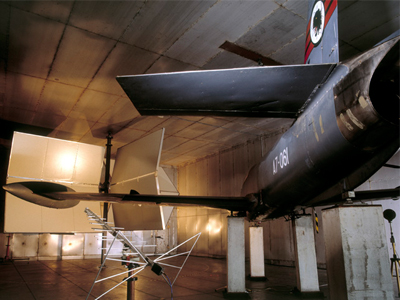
{"x": 257, "y": 268}
{"x": 92, "y": 244}
{"x": 137, "y": 217}
{"x": 27, "y": 150}
{"x": 21, "y": 216}
{"x": 117, "y": 247}
{"x": 166, "y": 187}
{"x": 25, "y": 245}
{"x": 136, "y": 168}
{"x": 40, "y": 158}
{"x": 165, "y": 184}
{"x": 138, "y": 158}
{"x": 60, "y": 160}
{"x": 143, "y": 185}
{"x": 166, "y": 212}
{"x": 37, "y": 157}
{"x": 89, "y": 162}
{"x": 49, "y": 245}
{"x": 73, "y": 245}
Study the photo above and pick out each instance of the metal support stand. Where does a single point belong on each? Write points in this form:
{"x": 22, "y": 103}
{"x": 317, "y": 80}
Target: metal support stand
{"x": 143, "y": 260}
{"x": 105, "y": 188}
{"x": 395, "y": 261}
{"x": 389, "y": 215}
{"x": 7, "y": 257}
{"x": 130, "y": 287}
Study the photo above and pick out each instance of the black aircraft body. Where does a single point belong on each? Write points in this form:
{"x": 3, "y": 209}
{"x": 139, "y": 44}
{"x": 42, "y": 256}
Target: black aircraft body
{"x": 346, "y": 124}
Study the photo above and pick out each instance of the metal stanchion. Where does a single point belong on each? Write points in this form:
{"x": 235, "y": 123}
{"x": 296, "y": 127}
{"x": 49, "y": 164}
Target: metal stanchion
{"x": 389, "y": 215}
{"x": 105, "y": 188}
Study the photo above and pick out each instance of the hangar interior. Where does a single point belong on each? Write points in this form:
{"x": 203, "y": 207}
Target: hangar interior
{"x": 59, "y": 60}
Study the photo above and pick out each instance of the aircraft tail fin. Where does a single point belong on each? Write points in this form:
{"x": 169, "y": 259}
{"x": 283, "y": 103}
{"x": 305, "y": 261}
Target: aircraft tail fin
{"x": 322, "y": 44}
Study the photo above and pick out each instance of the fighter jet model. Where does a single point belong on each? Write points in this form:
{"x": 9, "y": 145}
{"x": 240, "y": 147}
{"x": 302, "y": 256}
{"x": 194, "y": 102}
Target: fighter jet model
{"x": 346, "y": 124}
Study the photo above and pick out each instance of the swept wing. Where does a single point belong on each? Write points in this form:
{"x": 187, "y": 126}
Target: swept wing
{"x": 278, "y": 91}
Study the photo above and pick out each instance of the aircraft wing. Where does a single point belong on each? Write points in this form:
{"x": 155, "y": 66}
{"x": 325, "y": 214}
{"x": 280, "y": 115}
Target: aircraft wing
{"x": 55, "y": 195}
{"x": 360, "y": 196}
{"x": 278, "y": 91}
{"x": 372, "y": 195}
{"x": 229, "y": 203}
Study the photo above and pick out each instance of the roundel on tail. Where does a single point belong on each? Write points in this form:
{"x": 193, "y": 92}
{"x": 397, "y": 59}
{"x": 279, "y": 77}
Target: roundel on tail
{"x": 322, "y": 31}
{"x": 317, "y": 22}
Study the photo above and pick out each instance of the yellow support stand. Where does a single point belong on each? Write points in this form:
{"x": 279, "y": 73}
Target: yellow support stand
{"x": 389, "y": 215}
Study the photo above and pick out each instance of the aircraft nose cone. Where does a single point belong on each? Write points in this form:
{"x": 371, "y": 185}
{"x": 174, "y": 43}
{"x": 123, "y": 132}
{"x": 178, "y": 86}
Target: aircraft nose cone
{"x": 35, "y": 192}
{"x": 16, "y": 189}
{"x": 9, "y": 187}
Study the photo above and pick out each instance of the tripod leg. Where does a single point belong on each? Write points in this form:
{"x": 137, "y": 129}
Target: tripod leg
{"x": 391, "y": 267}
{"x": 397, "y": 265}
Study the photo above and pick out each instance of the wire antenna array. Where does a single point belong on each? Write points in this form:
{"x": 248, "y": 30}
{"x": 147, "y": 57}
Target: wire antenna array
{"x": 157, "y": 265}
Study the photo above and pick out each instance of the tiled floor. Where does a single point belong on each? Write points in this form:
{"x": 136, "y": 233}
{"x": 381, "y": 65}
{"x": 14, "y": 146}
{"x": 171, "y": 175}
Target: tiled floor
{"x": 201, "y": 278}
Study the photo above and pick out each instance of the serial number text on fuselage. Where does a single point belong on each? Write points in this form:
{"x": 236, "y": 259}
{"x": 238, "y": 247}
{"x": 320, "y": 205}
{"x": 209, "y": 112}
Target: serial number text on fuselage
{"x": 280, "y": 161}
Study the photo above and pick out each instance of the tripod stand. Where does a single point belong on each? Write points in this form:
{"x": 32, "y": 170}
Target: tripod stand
{"x": 395, "y": 261}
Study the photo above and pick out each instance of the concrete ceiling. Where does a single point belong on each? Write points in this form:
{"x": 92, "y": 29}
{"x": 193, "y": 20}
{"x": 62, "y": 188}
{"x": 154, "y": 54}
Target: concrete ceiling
{"x": 59, "y": 60}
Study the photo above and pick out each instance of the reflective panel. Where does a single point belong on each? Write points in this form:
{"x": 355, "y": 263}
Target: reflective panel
{"x": 49, "y": 245}
{"x": 92, "y": 245}
{"x": 25, "y": 245}
{"x": 37, "y": 158}
{"x": 137, "y": 168}
{"x": 138, "y": 158}
{"x": 72, "y": 245}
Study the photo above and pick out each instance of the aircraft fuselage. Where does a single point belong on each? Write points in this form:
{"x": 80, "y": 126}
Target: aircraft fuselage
{"x": 350, "y": 121}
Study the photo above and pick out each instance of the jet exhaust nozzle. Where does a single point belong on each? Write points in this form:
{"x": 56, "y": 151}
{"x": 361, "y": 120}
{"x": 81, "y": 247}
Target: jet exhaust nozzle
{"x": 367, "y": 99}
